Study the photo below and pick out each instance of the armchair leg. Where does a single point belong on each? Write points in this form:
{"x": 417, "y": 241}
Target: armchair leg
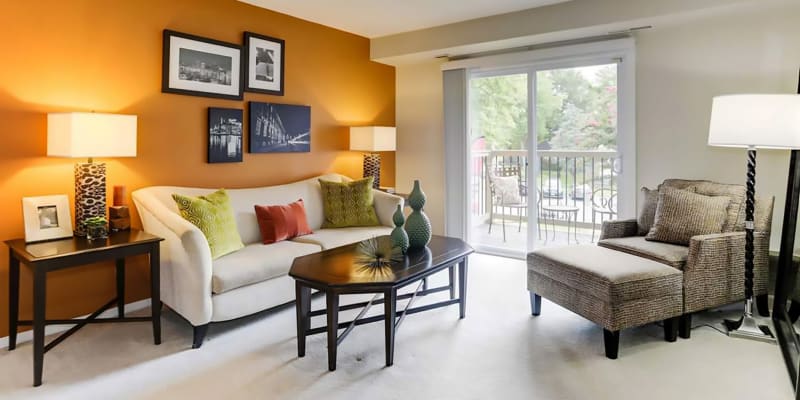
{"x": 199, "y": 335}
{"x": 685, "y": 326}
{"x": 611, "y": 341}
{"x": 762, "y": 304}
{"x": 536, "y": 303}
{"x": 671, "y": 329}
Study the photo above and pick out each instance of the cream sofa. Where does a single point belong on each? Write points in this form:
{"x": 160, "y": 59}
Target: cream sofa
{"x": 254, "y": 278}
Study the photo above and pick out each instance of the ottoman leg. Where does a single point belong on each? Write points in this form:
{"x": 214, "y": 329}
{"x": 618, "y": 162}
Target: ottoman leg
{"x": 685, "y": 325}
{"x": 536, "y": 303}
{"x": 611, "y": 341}
{"x": 671, "y": 329}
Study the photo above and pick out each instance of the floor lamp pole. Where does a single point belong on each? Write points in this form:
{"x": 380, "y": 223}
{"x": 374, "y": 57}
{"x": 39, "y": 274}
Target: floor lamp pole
{"x": 747, "y": 327}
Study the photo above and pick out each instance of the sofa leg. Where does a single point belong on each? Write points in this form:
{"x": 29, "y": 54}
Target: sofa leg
{"x": 671, "y": 329}
{"x": 794, "y": 311}
{"x": 762, "y": 304}
{"x": 611, "y": 341}
{"x": 536, "y": 303}
{"x": 199, "y": 334}
{"x": 685, "y": 326}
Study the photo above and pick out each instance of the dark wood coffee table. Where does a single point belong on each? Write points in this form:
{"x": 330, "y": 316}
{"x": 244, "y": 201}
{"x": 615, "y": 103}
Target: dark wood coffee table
{"x": 336, "y": 272}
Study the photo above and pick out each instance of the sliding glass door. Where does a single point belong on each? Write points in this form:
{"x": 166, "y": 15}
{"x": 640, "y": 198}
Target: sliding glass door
{"x": 544, "y": 157}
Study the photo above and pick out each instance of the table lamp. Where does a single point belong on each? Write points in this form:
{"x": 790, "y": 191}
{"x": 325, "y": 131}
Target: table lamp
{"x": 79, "y": 135}
{"x": 767, "y": 121}
{"x": 372, "y": 139}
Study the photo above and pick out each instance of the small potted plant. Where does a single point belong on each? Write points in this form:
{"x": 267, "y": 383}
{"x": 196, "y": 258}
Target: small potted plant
{"x": 96, "y": 228}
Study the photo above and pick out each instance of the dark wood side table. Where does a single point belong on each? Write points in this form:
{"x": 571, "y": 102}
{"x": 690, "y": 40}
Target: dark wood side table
{"x": 54, "y": 255}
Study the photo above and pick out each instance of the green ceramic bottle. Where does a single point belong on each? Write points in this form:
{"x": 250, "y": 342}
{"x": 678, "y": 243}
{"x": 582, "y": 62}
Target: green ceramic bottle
{"x": 418, "y": 226}
{"x": 399, "y": 235}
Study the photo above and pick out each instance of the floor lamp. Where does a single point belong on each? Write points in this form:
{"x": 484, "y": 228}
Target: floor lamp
{"x": 752, "y": 121}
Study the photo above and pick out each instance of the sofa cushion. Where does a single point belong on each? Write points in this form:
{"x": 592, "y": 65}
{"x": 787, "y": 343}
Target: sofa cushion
{"x": 348, "y": 203}
{"x": 666, "y": 253}
{"x": 330, "y": 238}
{"x": 680, "y": 215}
{"x": 255, "y": 263}
{"x": 734, "y": 221}
{"x": 213, "y": 214}
{"x": 278, "y": 223}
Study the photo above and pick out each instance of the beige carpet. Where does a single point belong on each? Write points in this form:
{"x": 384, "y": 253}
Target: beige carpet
{"x": 498, "y": 352}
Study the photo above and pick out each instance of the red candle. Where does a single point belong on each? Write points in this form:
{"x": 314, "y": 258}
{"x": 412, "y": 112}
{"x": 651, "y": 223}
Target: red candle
{"x": 119, "y": 195}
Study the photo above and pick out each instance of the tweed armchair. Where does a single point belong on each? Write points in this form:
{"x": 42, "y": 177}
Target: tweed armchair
{"x": 712, "y": 265}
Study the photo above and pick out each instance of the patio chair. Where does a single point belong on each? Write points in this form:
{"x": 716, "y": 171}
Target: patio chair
{"x": 604, "y": 202}
{"x": 506, "y": 192}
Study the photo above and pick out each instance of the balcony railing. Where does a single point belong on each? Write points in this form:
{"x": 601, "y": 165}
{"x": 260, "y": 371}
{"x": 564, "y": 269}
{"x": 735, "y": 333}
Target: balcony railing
{"x": 586, "y": 180}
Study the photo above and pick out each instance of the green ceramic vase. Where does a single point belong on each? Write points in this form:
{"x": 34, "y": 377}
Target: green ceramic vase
{"x": 418, "y": 226}
{"x": 399, "y": 235}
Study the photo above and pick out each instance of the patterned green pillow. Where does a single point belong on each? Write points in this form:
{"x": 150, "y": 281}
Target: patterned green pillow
{"x": 213, "y": 214}
{"x": 348, "y": 204}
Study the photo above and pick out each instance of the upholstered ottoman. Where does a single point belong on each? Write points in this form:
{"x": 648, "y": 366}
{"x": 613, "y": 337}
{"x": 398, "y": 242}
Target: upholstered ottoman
{"x": 613, "y": 289}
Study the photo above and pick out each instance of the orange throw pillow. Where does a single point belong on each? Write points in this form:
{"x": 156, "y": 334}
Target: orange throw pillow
{"x": 279, "y": 223}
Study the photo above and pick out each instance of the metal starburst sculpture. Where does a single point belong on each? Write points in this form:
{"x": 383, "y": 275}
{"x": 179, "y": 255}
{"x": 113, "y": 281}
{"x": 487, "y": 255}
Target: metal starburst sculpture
{"x": 378, "y": 252}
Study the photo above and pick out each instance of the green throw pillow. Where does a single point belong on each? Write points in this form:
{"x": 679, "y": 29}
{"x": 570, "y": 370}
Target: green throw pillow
{"x": 213, "y": 214}
{"x": 348, "y": 204}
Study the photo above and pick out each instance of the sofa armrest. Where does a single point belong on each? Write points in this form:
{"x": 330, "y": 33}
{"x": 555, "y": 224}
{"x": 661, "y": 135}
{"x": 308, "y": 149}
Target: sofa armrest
{"x": 385, "y": 206}
{"x": 714, "y": 272}
{"x": 619, "y": 229}
{"x": 185, "y": 259}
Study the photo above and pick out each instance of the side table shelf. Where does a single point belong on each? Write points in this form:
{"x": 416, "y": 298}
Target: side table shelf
{"x": 54, "y": 255}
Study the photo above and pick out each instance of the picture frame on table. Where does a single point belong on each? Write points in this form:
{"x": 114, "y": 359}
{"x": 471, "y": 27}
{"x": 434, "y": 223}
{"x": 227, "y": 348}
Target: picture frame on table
{"x": 264, "y": 58}
{"x": 198, "y": 66}
{"x": 279, "y": 128}
{"x": 225, "y": 135}
{"x": 46, "y": 218}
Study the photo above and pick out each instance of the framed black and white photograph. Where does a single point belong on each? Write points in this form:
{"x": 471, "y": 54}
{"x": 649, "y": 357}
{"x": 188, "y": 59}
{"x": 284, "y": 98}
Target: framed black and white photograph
{"x": 224, "y": 135}
{"x": 199, "y": 66}
{"x": 46, "y": 218}
{"x": 264, "y": 61}
{"x": 279, "y": 128}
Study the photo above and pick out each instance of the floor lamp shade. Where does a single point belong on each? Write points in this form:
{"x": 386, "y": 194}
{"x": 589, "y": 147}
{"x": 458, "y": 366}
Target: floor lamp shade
{"x": 88, "y": 135}
{"x": 770, "y": 121}
{"x": 373, "y": 139}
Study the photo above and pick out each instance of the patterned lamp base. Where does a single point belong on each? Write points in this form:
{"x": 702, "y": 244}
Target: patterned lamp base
{"x": 90, "y": 194}
{"x": 372, "y": 167}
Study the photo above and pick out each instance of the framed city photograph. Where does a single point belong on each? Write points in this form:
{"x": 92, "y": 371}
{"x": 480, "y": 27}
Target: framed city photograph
{"x": 46, "y": 218}
{"x": 198, "y": 66}
{"x": 224, "y": 135}
{"x": 264, "y": 61}
{"x": 279, "y": 128}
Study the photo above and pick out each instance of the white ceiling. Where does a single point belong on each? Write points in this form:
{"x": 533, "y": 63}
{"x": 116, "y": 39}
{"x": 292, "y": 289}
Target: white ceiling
{"x": 375, "y": 18}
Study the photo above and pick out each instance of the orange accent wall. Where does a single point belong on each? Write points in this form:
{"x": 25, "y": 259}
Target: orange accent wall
{"x": 95, "y": 55}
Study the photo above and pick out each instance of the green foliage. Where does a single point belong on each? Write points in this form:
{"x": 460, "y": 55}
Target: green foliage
{"x": 576, "y": 109}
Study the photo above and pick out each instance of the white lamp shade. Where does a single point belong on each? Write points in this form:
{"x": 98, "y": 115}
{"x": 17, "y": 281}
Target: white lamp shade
{"x": 770, "y": 121}
{"x": 91, "y": 135}
{"x": 372, "y": 138}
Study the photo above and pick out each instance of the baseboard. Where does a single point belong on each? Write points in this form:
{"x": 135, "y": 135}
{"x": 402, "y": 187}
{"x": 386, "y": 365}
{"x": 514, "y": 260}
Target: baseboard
{"x": 27, "y": 336}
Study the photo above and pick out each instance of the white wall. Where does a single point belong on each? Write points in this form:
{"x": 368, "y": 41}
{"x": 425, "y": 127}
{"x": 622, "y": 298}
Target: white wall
{"x": 679, "y": 69}
{"x": 420, "y": 135}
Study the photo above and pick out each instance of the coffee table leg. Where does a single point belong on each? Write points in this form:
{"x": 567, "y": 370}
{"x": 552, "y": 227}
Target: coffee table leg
{"x": 390, "y": 313}
{"x": 462, "y": 288}
{"x": 303, "y": 306}
{"x": 452, "y": 272}
{"x": 332, "y": 300}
